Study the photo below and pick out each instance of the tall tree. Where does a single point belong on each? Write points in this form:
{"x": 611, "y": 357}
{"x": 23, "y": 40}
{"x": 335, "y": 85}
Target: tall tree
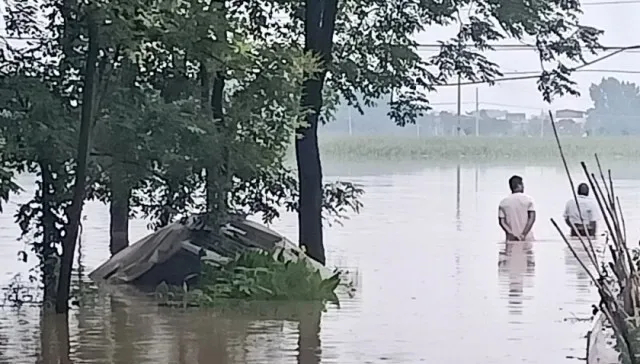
{"x": 375, "y": 55}
{"x": 38, "y": 130}
{"x": 616, "y": 107}
{"x": 86, "y": 125}
{"x": 52, "y": 88}
{"x": 319, "y": 26}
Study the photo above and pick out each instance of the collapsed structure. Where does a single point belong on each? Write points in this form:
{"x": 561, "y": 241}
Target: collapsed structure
{"x": 174, "y": 254}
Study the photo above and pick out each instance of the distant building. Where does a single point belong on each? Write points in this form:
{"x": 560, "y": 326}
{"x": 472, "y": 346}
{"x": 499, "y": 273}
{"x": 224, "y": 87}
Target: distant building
{"x": 569, "y": 127}
{"x": 519, "y": 123}
{"x": 540, "y": 125}
{"x": 517, "y": 117}
{"x": 494, "y": 114}
{"x": 490, "y": 122}
{"x": 576, "y": 116}
{"x": 447, "y": 123}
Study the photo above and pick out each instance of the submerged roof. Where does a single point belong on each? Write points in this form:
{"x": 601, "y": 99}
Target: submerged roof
{"x": 237, "y": 235}
{"x": 138, "y": 258}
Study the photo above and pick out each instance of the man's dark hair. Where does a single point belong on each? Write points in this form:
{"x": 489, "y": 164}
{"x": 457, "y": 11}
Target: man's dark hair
{"x": 583, "y": 189}
{"x": 515, "y": 182}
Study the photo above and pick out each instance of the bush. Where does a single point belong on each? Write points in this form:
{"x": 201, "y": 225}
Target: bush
{"x": 257, "y": 275}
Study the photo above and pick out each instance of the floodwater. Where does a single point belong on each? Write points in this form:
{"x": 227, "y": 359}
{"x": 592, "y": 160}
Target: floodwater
{"x": 434, "y": 285}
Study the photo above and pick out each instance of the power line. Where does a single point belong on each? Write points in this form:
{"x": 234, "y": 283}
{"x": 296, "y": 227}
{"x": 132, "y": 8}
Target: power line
{"x": 530, "y": 77}
{"x": 511, "y": 47}
{"x": 580, "y": 70}
{"x": 584, "y": 3}
{"x": 591, "y": 3}
{"x": 425, "y": 46}
{"x": 527, "y": 75}
{"x": 614, "y": 2}
{"x": 509, "y": 105}
{"x": 484, "y": 103}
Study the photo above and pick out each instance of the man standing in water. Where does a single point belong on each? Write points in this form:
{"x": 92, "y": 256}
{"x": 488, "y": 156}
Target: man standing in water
{"x": 516, "y": 212}
{"x": 588, "y": 209}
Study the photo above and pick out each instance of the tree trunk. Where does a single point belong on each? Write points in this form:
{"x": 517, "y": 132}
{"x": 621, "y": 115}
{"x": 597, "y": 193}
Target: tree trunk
{"x": 119, "y": 216}
{"x": 320, "y": 18}
{"x": 217, "y": 175}
{"x": 75, "y": 210}
{"x": 48, "y": 236}
{"x": 209, "y": 171}
{"x": 120, "y": 184}
{"x": 310, "y": 181}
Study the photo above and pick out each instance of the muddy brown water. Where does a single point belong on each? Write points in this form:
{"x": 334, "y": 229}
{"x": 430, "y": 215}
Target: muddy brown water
{"x": 434, "y": 285}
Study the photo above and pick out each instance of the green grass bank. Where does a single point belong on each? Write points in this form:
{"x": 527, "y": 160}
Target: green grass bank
{"x": 471, "y": 148}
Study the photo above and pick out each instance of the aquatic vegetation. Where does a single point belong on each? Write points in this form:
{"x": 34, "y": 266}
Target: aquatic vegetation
{"x": 475, "y": 148}
{"x": 255, "y": 275}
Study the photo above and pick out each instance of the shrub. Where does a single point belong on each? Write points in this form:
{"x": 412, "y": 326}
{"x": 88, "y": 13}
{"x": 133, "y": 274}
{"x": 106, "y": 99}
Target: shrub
{"x": 257, "y": 275}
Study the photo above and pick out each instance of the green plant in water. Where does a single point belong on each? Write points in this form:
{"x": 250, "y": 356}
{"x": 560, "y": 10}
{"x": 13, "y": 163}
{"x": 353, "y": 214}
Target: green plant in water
{"x": 260, "y": 276}
{"x": 484, "y": 148}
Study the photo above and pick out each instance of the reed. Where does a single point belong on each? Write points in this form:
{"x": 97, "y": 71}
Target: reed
{"x": 618, "y": 280}
{"x": 475, "y": 148}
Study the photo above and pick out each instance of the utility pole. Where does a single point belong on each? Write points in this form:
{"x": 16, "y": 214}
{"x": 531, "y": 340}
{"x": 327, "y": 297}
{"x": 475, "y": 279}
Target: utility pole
{"x": 350, "y": 127}
{"x": 477, "y": 114}
{"x": 459, "y": 103}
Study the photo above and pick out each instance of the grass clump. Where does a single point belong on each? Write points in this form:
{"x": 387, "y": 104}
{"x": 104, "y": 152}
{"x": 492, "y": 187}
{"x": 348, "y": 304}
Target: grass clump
{"x": 475, "y": 148}
{"x": 255, "y": 275}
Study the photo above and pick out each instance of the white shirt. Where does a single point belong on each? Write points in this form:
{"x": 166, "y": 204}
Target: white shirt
{"x": 590, "y": 212}
{"x": 515, "y": 210}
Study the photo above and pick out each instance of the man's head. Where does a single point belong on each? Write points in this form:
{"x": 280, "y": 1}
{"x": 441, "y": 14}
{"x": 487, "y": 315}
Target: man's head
{"x": 583, "y": 189}
{"x": 516, "y": 184}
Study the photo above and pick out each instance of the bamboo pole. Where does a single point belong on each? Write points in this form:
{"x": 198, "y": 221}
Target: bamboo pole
{"x": 621, "y": 308}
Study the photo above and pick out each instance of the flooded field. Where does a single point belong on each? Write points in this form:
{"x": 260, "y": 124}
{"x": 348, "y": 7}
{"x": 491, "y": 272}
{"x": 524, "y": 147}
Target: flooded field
{"x": 435, "y": 285}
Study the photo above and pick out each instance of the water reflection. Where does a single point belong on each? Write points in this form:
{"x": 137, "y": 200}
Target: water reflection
{"x": 458, "y": 220}
{"x": 426, "y": 282}
{"x": 118, "y": 332}
{"x": 54, "y": 339}
{"x": 476, "y": 180}
{"x": 581, "y": 282}
{"x": 309, "y": 344}
{"x": 516, "y": 265}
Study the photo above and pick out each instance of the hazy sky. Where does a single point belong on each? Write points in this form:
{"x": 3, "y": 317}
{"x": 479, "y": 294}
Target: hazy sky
{"x": 615, "y": 17}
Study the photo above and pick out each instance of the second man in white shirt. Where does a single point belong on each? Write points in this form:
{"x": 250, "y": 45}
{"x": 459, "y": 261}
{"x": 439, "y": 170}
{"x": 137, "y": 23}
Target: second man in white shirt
{"x": 588, "y": 210}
